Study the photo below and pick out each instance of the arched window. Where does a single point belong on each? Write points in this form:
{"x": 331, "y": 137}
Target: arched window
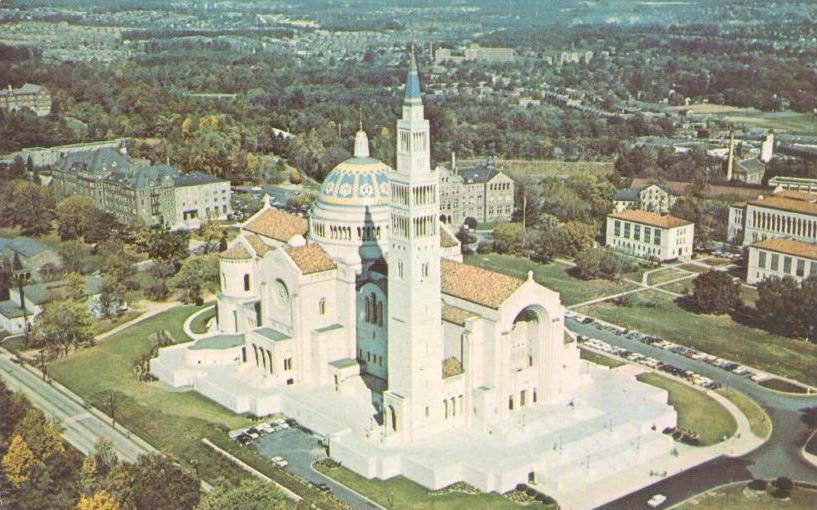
{"x": 246, "y": 282}
{"x": 322, "y": 306}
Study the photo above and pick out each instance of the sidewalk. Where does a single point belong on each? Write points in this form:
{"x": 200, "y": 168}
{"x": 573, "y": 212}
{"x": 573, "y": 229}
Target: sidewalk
{"x": 631, "y": 480}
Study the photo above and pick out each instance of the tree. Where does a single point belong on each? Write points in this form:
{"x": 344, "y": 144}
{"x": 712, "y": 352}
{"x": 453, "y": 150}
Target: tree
{"x": 73, "y": 254}
{"x": 599, "y": 263}
{"x": 573, "y": 237}
{"x": 508, "y": 238}
{"x": 716, "y": 292}
{"x": 782, "y": 297}
{"x": 196, "y": 274}
{"x": 99, "y": 501}
{"x": 157, "y": 481}
{"x": 210, "y": 230}
{"x": 250, "y": 494}
{"x": 20, "y": 464}
{"x": 74, "y": 215}
{"x": 15, "y": 406}
{"x": 28, "y": 206}
{"x": 77, "y": 287}
{"x": 63, "y": 324}
{"x": 42, "y": 436}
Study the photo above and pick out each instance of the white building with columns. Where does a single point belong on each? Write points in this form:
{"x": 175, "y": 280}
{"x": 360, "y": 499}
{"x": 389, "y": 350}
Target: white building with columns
{"x": 363, "y": 323}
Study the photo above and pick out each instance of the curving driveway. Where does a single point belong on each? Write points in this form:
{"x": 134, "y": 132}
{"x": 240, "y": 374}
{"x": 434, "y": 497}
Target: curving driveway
{"x": 781, "y": 455}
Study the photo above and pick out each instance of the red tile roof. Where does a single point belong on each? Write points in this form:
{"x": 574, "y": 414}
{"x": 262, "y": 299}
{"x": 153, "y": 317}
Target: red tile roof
{"x": 278, "y": 225}
{"x": 650, "y": 218}
{"x": 786, "y": 204}
{"x": 236, "y": 252}
{"x": 455, "y": 315}
{"x": 257, "y": 244}
{"x": 447, "y": 240}
{"x": 478, "y": 285}
{"x": 789, "y": 247}
{"x": 311, "y": 258}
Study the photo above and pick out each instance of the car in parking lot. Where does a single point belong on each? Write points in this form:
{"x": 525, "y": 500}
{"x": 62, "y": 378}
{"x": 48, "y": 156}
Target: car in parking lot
{"x": 322, "y": 487}
{"x": 656, "y": 501}
{"x": 279, "y": 461}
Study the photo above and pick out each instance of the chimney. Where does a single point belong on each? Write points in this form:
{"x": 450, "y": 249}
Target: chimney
{"x": 453, "y": 161}
{"x": 730, "y": 162}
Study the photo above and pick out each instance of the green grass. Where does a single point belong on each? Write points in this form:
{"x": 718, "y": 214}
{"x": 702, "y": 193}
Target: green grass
{"x": 717, "y": 262}
{"x": 400, "y": 493}
{"x": 664, "y": 275}
{"x": 657, "y": 314}
{"x": 599, "y": 359}
{"x": 15, "y": 345}
{"x": 109, "y": 366}
{"x": 199, "y": 324}
{"x": 696, "y": 411}
{"x": 784, "y": 386}
{"x": 737, "y": 497}
{"x": 682, "y": 287}
{"x": 553, "y": 276}
{"x": 170, "y": 421}
{"x": 758, "y": 419}
{"x": 694, "y": 268}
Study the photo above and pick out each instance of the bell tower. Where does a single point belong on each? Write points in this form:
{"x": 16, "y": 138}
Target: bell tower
{"x": 415, "y": 330}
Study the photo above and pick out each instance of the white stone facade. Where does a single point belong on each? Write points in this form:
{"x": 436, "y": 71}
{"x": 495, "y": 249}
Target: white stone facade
{"x": 362, "y": 323}
{"x": 786, "y": 214}
{"x": 780, "y": 258}
{"x": 650, "y": 236}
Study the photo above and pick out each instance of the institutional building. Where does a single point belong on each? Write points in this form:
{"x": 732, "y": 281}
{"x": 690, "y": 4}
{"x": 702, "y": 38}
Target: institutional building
{"x": 361, "y": 322}
{"x": 804, "y": 184}
{"x": 482, "y": 193}
{"x": 136, "y": 191}
{"x": 649, "y": 235}
{"x": 476, "y": 53}
{"x": 29, "y": 96}
{"x": 785, "y": 214}
{"x": 779, "y": 258}
{"x": 653, "y": 197}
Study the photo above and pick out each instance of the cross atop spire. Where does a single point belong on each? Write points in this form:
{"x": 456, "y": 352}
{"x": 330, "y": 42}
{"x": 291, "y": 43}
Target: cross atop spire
{"x": 413, "y": 79}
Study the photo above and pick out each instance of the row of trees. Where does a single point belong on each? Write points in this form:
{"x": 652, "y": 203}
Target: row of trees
{"x": 783, "y": 306}
{"x": 40, "y": 473}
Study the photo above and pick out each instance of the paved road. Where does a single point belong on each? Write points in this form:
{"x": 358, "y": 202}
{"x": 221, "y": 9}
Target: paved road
{"x": 779, "y": 456}
{"x": 301, "y": 449}
{"x": 81, "y": 428}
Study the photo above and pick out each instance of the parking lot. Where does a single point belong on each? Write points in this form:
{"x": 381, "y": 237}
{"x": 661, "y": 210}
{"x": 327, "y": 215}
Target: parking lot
{"x": 591, "y": 342}
{"x": 300, "y": 449}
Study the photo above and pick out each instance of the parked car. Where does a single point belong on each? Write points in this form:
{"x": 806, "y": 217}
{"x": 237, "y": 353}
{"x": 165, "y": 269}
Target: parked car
{"x": 656, "y": 501}
{"x": 322, "y": 487}
{"x": 279, "y": 461}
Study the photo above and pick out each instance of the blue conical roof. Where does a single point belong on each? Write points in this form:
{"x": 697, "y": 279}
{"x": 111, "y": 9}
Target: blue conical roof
{"x": 413, "y": 80}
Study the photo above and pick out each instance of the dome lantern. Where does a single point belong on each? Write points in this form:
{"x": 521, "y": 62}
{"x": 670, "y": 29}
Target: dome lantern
{"x": 361, "y": 143}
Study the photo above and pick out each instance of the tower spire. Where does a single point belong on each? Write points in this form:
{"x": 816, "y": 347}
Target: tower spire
{"x": 413, "y": 79}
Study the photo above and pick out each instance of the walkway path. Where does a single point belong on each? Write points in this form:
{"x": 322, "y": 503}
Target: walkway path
{"x": 188, "y": 322}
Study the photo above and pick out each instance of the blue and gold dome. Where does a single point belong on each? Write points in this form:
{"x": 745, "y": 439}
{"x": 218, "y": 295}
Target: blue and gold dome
{"x": 358, "y": 181}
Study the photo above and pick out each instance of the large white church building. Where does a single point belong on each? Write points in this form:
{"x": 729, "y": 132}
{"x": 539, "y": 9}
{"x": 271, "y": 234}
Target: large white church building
{"x": 363, "y": 323}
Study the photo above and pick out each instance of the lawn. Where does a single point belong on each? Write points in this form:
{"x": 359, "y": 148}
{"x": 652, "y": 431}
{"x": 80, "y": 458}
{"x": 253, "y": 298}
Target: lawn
{"x": 199, "y": 324}
{"x": 400, "y": 493}
{"x": 599, "y": 359}
{"x": 758, "y": 419}
{"x": 695, "y": 268}
{"x": 665, "y": 275}
{"x": 553, "y": 276}
{"x": 171, "y": 421}
{"x": 696, "y": 411}
{"x": 782, "y": 385}
{"x": 716, "y": 262}
{"x": 738, "y": 497}
{"x": 682, "y": 287}
{"x": 658, "y": 314}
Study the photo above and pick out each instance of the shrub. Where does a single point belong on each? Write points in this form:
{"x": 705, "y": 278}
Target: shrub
{"x": 758, "y": 485}
{"x": 784, "y": 483}
{"x": 780, "y": 493}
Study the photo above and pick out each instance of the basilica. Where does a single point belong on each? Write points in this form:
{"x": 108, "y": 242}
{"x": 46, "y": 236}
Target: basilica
{"x": 363, "y": 323}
